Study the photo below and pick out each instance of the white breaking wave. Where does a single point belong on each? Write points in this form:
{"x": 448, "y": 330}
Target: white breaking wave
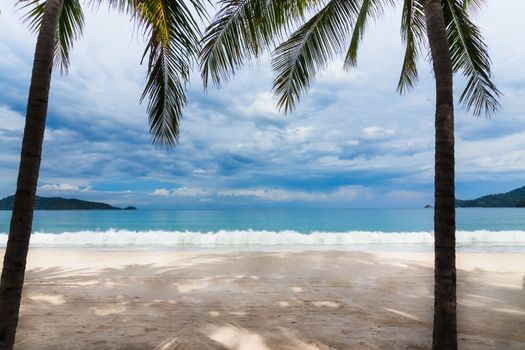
{"x": 264, "y": 238}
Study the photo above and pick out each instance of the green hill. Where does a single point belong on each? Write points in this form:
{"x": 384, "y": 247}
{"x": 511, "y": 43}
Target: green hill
{"x": 514, "y": 198}
{"x": 59, "y": 203}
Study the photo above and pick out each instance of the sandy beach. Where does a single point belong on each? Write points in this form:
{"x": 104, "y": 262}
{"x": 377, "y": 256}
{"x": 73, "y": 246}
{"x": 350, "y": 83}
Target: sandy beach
{"x": 146, "y": 299}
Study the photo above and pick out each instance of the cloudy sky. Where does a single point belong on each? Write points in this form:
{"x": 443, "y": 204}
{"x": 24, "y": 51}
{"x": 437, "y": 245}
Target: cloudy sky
{"x": 353, "y": 141}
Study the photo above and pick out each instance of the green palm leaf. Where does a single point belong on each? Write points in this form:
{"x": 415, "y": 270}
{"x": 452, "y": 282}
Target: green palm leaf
{"x": 172, "y": 48}
{"x": 413, "y": 30}
{"x": 242, "y": 29}
{"x": 475, "y": 5}
{"x": 470, "y": 56}
{"x": 308, "y": 49}
{"x": 70, "y": 27}
{"x": 369, "y": 9}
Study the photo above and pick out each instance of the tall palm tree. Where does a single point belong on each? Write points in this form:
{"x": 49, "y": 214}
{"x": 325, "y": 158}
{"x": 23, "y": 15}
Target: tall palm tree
{"x": 172, "y": 46}
{"x": 243, "y": 29}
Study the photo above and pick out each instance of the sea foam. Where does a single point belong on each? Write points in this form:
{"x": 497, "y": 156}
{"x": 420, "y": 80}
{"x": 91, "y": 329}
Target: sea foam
{"x": 223, "y": 238}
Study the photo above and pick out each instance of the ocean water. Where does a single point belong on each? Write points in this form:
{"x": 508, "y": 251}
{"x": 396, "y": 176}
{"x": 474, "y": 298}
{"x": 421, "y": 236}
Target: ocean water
{"x": 500, "y": 229}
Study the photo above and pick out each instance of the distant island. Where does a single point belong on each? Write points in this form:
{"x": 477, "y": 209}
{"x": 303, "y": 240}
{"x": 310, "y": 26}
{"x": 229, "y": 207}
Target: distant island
{"x": 59, "y": 203}
{"x": 514, "y": 198}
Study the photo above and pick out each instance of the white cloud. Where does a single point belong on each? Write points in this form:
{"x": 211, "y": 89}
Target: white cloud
{"x": 299, "y": 134}
{"x": 64, "y": 187}
{"x": 501, "y": 155}
{"x": 190, "y": 192}
{"x": 345, "y": 193}
{"x": 10, "y": 120}
{"x": 375, "y": 132}
{"x": 181, "y": 191}
{"x": 263, "y": 105}
{"x": 334, "y": 73}
{"x": 161, "y": 192}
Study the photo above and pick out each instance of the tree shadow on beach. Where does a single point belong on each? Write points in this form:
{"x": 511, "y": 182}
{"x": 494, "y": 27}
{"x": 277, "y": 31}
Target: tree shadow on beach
{"x": 260, "y": 301}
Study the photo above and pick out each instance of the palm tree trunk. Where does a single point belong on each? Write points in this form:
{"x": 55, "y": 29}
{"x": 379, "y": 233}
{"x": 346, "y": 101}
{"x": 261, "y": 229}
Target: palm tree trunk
{"x": 22, "y": 218}
{"x": 445, "y": 324}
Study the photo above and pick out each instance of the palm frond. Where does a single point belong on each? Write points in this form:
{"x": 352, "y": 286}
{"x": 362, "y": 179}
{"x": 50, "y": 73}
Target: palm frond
{"x": 70, "y": 27}
{"x": 308, "y": 49}
{"x": 243, "y": 29}
{"x": 173, "y": 46}
{"x": 34, "y": 14}
{"x": 413, "y": 29}
{"x": 369, "y": 9}
{"x": 470, "y": 57}
{"x": 474, "y": 5}
{"x": 172, "y": 49}
{"x": 166, "y": 91}
{"x": 123, "y": 6}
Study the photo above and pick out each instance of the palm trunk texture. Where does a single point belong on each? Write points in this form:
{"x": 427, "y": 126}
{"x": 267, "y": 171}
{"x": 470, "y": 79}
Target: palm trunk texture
{"x": 22, "y": 218}
{"x": 445, "y": 324}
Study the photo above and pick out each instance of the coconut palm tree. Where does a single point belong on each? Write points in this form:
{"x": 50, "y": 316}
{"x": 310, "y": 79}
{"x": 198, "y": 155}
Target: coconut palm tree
{"x": 319, "y": 29}
{"x": 172, "y": 46}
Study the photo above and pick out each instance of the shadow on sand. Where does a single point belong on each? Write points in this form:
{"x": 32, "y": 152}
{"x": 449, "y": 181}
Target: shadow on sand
{"x": 261, "y": 301}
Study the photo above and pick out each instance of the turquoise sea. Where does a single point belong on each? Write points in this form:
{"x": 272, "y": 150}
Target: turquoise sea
{"x": 478, "y": 228}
